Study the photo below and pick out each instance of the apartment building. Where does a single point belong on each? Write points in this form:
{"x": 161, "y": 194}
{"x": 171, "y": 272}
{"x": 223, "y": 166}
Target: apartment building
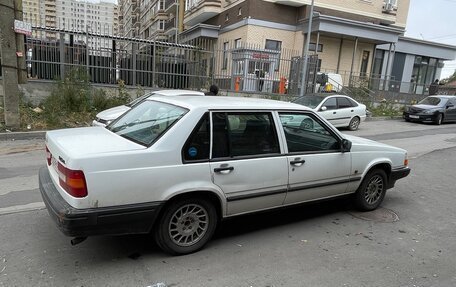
{"x": 350, "y": 37}
{"x": 40, "y": 13}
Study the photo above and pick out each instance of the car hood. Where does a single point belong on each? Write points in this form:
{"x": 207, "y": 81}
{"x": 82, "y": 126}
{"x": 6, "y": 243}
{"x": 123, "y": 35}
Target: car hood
{"x": 112, "y": 113}
{"x": 76, "y": 143}
{"x": 425, "y": 107}
{"x": 362, "y": 144}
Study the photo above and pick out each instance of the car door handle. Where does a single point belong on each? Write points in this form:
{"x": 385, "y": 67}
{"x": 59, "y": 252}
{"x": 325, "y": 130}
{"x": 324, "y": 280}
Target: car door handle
{"x": 334, "y": 113}
{"x": 225, "y": 169}
{"x": 297, "y": 162}
{"x": 352, "y": 111}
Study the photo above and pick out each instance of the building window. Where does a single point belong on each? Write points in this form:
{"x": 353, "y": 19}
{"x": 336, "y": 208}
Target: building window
{"x": 225, "y": 55}
{"x": 227, "y": 17}
{"x": 240, "y": 11}
{"x": 237, "y": 43}
{"x": 273, "y": 45}
{"x": 312, "y": 47}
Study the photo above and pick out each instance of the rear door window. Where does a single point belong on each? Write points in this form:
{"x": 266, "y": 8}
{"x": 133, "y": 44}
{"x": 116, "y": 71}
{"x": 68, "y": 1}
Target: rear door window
{"x": 239, "y": 134}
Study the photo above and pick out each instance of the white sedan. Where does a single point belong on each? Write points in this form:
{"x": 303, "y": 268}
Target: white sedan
{"x": 339, "y": 110}
{"x": 177, "y": 165}
{"x": 105, "y": 117}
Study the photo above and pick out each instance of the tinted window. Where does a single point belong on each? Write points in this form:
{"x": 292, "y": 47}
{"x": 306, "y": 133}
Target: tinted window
{"x": 243, "y": 134}
{"x": 344, "y": 103}
{"x": 330, "y": 104}
{"x": 147, "y": 121}
{"x": 197, "y": 146}
{"x": 309, "y": 101}
{"x": 306, "y": 134}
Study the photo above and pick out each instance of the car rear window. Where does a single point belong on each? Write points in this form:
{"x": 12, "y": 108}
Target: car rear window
{"x": 147, "y": 121}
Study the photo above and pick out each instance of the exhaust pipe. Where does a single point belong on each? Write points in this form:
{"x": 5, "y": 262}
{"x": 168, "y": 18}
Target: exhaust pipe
{"x": 77, "y": 240}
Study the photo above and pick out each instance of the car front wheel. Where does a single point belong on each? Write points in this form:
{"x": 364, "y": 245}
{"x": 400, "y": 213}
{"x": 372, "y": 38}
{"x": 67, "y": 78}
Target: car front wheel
{"x": 354, "y": 124}
{"x": 186, "y": 226}
{"x": 439, "y": 119}
{"x": 371, "y": 191}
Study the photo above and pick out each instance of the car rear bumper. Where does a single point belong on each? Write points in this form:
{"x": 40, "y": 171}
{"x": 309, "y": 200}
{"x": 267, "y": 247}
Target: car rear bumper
{"x": 118, "y": 220}
{"x": 397, "y": 174}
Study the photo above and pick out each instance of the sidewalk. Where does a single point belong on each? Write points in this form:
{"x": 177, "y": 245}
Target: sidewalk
{"x": 11, "y": 136}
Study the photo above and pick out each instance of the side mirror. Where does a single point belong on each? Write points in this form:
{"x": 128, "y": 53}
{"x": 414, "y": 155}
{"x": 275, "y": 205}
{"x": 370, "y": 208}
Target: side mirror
{"x": 346, "y": 145}
{"x": 449, "y": 106}
{"x": 324, "y": 108}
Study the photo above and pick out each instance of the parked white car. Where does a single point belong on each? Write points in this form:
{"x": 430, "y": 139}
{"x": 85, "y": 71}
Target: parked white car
{"x": 105, "y": 117}
{"x": 176, "y": 165}
{"x": 339, "y": 110}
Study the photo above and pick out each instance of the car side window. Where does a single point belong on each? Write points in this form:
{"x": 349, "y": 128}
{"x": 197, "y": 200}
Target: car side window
{"x": 304, "y": 133}
{"x": 237, "y": 134}
{"x": 196, "y": 147}
{"x": 330, "y": 104}
{"x": 343, "y": 103}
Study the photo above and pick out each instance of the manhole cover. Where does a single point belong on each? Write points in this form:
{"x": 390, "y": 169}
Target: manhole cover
{"x": 379, "y": 215}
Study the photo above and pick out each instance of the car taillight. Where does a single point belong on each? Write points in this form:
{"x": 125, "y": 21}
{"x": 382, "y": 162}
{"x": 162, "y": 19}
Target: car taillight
{"x": 406, "y": 160}
{"x": 72, "y": 181}
{"x": 48, "y": 156}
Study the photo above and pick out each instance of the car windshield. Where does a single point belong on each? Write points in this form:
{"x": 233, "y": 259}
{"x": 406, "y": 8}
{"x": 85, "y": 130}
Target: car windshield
{"x": 147, "y": 121}
{"x": 431, "y": 101}
{"x": 137, "y": 100}
{"x": 309, "y": 101}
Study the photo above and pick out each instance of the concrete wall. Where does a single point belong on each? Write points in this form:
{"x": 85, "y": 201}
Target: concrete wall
{"x": 36, "y": 91}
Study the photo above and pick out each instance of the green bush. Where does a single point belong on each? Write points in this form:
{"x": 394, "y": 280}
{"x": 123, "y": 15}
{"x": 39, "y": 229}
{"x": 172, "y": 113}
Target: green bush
{"x": 72, "y": 103}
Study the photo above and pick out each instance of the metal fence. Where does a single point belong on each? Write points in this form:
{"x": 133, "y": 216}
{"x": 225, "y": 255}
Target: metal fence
{"x": 232, "y": 65}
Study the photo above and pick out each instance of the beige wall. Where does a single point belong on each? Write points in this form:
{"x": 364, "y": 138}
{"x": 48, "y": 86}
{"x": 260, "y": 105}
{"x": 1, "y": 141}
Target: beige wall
{"x": 402, "y": 13}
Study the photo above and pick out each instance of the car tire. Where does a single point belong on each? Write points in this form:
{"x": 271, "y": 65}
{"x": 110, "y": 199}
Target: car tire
{"x": 354, "y": 123}
{"x": 372, "y": 190}
{"x": 186, "y": 225}
{"x": 407, "y": 120}
{"x": 439, "y": 119}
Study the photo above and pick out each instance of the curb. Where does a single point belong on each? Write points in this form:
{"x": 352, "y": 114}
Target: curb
{"x": 374, "y": 119}
{"x": 12, "y": 136}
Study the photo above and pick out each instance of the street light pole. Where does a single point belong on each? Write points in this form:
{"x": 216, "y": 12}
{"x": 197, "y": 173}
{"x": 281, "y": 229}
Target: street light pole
{"x": 306, "y": 52}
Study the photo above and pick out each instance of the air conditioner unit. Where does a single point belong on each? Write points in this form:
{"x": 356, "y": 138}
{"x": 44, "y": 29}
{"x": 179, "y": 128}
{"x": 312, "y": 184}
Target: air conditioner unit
{"x": 388, "y": 7}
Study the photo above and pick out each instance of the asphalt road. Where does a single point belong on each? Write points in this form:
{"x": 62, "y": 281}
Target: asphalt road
{"x": 407, "y": 242}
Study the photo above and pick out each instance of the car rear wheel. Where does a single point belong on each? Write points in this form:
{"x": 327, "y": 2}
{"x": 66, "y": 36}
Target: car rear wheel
{"x": 354, "y": 124}
{"x": 186, "y": 226}
{"x": 371, "y": 191}
{"x": 438, "y": 119}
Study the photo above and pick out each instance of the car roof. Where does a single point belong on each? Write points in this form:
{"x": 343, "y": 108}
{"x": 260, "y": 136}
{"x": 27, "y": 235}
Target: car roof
{"x": 177, "y": 92}
{"x": 443, "y": 96}
{"x": 221, "y": 102}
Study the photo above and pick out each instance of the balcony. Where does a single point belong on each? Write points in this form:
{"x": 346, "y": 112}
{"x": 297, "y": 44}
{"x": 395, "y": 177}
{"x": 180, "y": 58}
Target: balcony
{"x": 294, "y": 3}
{"x": 170, "y": 27}
{"x": 201, "y": 11}
{"x": 171, "y": 6}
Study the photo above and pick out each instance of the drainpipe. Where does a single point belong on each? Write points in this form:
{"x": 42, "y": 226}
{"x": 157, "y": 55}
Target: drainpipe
{"x": 353, "y": 62}
{"x": 385, "y": 88}
{"x": 306, "y": 52}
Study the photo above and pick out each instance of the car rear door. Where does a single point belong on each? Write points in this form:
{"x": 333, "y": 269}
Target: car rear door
{"x": 246, "y": 162}
{"x": 317, "y": 166}
{"x": 345, "y": 111}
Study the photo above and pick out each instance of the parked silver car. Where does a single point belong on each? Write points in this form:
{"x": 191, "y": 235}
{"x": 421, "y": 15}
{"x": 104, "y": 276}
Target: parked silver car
{"x": 105, "y": 117}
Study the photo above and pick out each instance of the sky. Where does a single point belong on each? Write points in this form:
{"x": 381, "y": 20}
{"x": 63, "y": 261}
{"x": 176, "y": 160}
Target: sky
{"x": 434, "y": 20}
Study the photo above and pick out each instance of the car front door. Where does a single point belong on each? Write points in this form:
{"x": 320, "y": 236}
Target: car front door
{"x": 328, "y": 110}
{"x": 317, "y": 166}
{"x": 450, "y": 110}
{"x": 246, "y": 162}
